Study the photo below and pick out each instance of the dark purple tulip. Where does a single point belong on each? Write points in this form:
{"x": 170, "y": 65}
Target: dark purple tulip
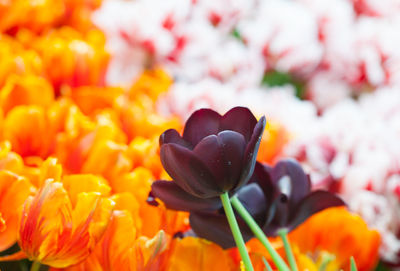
{"x": 288, "y": 195}
{"x": 216, "y": 154}
{"x": 214, "y": 226}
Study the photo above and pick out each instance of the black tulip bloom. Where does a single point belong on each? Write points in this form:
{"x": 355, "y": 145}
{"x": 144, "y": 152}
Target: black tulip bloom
{"x": 214, "y": 226}
{"x": 288, "y": 196}
{"x": 216, "y": 154}
{"x": 278, "y": 198}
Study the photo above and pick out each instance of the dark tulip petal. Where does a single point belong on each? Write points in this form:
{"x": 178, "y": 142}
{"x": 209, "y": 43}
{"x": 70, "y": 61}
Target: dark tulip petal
{"x": 172, "y": 136}
{"x": 215, "y": 227}
{"x": 251, "y": 152}
{"x": 223, "y": 156}
{"x": 253, "y": 199}
{"x": 176, "y": 198}
{"x": 279, "y": 210}
{"x": 313, "y": 203}
{"x": 202, "y": 123}
{"x": 239, "y": 119}
{"x": 291, "y": 180}
{"x": 271, "y": 230}
{"x": 261, "y": 176}
{"x": 188, "y": 171}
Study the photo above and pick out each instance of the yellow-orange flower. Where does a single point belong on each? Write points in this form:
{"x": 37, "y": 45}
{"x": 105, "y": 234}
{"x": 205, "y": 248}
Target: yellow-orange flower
{"x": 14, "y": 190}
{"x": 144, "y": 152}
{"x": 26, "y": 90}
{"x": 197, "y": 254}
{"x": 9, "y": 160}
{"x": 16, "y": 59}
{"x": 92, "y": 100}
{"x": 35, "y": 15}
{"x": 342, "y": 234}
{"x": 80, "y": 58}
{"x": 28, "y": 130}
{"x": 152, "y": 218}
{"x": 122, "y": 249}
{"x": 151, "y": 83}
{"x": 274, "y": 139}
{"x": 61, "y": 229}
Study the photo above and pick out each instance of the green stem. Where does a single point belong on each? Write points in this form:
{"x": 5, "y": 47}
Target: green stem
{"x": 267, "y": 266}
{"x": 353, "y": 266}
{"x": 237, "y": 235}
{"x": 326, "y": 259}
{"x": 288, "y": 249}
{"x": 35, "y": 266}
{"x": 279, "y": 262}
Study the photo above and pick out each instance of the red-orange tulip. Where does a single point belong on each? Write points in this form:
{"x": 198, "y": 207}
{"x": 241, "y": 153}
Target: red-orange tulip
{"x": 59, "y": 232}
{"x": 338, "y": 232}
{"x": 14, "y": 190}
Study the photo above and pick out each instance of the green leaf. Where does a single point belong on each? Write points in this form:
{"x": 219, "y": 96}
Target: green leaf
{"x": 381, "y": 267}
{"x": 235, "y": 32}
{"x": 276, "y": 78}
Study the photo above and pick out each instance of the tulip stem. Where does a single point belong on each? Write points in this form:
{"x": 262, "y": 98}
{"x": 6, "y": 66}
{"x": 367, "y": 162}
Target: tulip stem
{"x": 35, "y": 266}
{"x": 279, "y": 262}
{"x": 237, "y": 235}
{"x": 288, "y": 250}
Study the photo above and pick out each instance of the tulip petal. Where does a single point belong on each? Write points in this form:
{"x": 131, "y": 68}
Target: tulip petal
{"x": 188, "y": 171}
{"x": 215, "y": 227}
{"x": 262, "y": 177}
{"x": 172, "y": 136}
{"x": 253, "y": 199}
{"x": 291, "y": 180}
{"x": 223, "y": 156}
{"x": 239, "y": 119}
{"x": 176, "y": 198}
{"x": 314, "y": 203}
{"x": 251, "y": 152}
{"x": 202, "y": 123}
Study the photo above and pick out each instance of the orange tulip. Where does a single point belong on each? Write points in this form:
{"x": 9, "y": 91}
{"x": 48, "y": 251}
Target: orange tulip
{"x": 342, "y": 234}
{"x": 16, "y": 59}
{"x": 26, "y": 90}
{"x": 61, "y": 229}
{"x": 153, "y": 218}
{"x": 122, "y": 249}
{"x": 197, "y": 254}
{"x": 80, "y": 59}
{"x": 139, "y": 121}
{"x": 92, "y": 100}
{"x": 145, "y": 152}
{"x": 79, "y": 13}
{"x": 22, "y": 13}
{"x": 272, "y": 143}
{"x": 14, "y": 190}
{"x": 151, "y": 83}
{"x": 28, "y": 130}
{"x": 84, "y": 143}
{"x": 10, "y": 160}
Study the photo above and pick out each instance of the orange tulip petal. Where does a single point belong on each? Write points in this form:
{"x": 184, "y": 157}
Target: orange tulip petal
{"x": 197, "y": 254}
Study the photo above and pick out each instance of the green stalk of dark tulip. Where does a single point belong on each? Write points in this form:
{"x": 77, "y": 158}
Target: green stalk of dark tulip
{"x": 353, "y": 266}
{"x": 35, "y": 266}
{"x": 237, "y": 235}
{"x": 288, "y": 249}
{"x": 279, "y": 262}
